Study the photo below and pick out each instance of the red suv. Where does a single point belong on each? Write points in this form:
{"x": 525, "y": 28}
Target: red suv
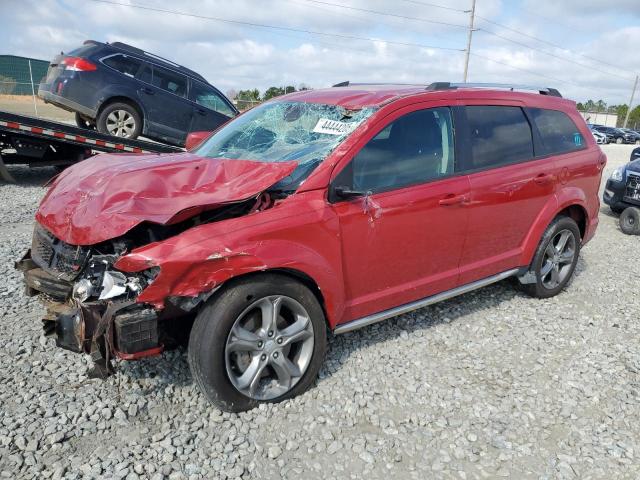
{"x": 320, "y": 211}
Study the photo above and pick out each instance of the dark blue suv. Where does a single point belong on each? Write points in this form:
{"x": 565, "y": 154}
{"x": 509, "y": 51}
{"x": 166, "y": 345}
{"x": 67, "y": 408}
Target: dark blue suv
{"x": 124, "y": 91}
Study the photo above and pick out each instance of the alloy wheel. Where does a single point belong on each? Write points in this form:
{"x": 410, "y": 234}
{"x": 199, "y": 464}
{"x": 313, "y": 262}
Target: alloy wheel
{"x": 558, "y": 259}
{"x": 269, "y": 347}
{"x": 121, "y": 123}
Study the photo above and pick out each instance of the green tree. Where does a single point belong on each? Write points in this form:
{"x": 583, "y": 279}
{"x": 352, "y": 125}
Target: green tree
{"x": 249, "y": 95}
{"x": 272, "y": 92}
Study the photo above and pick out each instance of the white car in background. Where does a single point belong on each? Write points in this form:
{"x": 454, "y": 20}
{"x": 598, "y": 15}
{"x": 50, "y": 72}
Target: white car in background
{"x": 601, "y": 138}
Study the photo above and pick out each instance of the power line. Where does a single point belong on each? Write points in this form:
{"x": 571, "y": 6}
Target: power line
{"x": 387, "y": 14}
{"x": 435, "y": 5}
{"x": 484, "y": 19}
{"x": 545, "y": 52}
{"x": 274, "y": 27}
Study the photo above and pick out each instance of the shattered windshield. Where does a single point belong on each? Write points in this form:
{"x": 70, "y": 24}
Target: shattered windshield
{"x": 285, "y": 131}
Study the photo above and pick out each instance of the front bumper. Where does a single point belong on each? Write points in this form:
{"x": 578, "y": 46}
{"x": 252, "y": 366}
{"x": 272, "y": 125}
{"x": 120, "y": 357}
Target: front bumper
{"x": 102, "y": 328}
{"x": 615, "y": 195}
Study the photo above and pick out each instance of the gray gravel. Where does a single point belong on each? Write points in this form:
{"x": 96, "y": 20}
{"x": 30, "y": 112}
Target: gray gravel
{"x": 491, "y": 384}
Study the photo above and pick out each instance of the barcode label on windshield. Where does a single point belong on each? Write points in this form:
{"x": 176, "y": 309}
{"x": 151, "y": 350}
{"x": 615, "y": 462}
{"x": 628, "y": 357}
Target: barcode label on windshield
{"x": 332, "y": 127}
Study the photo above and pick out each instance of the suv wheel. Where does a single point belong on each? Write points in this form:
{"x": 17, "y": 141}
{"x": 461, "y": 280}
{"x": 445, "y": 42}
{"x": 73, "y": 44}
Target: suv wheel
{"x": 619, "y": 140}
{"x": 120, "y": 120}
{"x": 261, "y": 340}
{"x": 630, "y": 221}
{"x": 555, "y": 259}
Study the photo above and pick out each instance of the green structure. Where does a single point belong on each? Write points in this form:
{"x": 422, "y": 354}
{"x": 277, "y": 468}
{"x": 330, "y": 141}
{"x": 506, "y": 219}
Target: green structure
{"x": 15, "y": 78}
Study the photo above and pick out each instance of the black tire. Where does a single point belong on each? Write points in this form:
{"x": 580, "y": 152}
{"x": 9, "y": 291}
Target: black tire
{"x": 630, "y": 221}
{"x": 105, "y": 121}
{"x": 538, "y": 289}
{"x": 619, "y": 141}
{"x": 212, "y": 327}
{"x": 84, "y": 122}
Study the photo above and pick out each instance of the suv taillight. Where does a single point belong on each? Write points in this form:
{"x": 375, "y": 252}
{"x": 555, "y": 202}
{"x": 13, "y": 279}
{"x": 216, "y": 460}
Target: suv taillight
{"x": 78, "y": 64}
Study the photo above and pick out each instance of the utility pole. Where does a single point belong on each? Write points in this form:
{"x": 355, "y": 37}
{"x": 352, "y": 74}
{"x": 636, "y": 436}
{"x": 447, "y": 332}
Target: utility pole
{"x": 472, "y": 17}
{"x": 633, "y": 92}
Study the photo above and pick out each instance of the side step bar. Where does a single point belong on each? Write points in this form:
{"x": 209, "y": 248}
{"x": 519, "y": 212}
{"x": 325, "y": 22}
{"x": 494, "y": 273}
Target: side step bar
{"x": 408, "y": 307}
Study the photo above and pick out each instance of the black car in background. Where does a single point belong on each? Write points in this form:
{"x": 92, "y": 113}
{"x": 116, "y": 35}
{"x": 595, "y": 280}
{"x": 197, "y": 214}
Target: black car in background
{"x": 613, "y": 134}
{"x": 630, "y": 136}
{"x": 126, "y": 92}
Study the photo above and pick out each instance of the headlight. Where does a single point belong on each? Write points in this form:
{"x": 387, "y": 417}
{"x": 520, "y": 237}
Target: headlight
{"x": 82, "y": 290}
{"x": 618, "y": 174}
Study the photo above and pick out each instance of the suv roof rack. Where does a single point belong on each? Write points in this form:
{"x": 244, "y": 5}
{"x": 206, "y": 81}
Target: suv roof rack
{"x": 452, "y": 86}
{"x": 167, "y": 63}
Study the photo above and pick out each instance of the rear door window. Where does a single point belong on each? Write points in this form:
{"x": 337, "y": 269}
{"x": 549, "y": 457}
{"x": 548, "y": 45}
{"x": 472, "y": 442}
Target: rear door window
{"x": 558, "y": 132}
{"x": 124, "y": 64}
{"x": 170, "y": 81}
{"x": 498, "y": 135}
{"x": 208, "y": 97}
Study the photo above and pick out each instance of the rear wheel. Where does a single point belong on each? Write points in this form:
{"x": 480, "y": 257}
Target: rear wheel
{"x": 630, "y": 221}
{"x": 120, "y": 120}
{"x": 555, "y": 259}
{"x": 619, "y": 140}
{"x": 261, "y": 340}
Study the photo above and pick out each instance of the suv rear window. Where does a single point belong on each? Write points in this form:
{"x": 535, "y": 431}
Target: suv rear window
{"x": 124, "y": 64}
{"x": 499, "y": 136}
{"x": 559, "y": 133}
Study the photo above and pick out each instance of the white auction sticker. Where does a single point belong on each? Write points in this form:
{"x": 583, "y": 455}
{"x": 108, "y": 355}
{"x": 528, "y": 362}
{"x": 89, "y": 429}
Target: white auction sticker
{"x": 332, "y": 127}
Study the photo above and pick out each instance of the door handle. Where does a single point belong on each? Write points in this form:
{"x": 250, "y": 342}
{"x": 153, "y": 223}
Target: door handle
{"x": 452, "y": 199}
{"x": 148, "y": 91}
{"x": 543, "y": 179}
{"x": 201, "y": 111}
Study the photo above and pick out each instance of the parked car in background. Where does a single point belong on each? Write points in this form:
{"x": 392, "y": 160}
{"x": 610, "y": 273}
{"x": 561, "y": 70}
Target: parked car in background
{"x": 613, "y": 134}
{"x": 325, "y": 210}
{"x": 600, "y": 138}
{"x": 126, "y": 92}
{"x": 630, "y": 136}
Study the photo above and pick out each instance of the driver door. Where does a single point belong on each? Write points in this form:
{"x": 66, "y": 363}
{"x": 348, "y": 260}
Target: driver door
{"x": 402, "y": 241}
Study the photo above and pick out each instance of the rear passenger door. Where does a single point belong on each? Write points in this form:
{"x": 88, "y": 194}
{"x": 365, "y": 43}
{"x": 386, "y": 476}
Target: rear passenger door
{"x": 510, "y": 184}
{"x": 164, "y": 96}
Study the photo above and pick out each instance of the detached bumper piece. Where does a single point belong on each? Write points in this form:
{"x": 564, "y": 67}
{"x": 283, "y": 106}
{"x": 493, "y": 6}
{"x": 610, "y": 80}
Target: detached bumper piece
{"x": 102, "y": 329}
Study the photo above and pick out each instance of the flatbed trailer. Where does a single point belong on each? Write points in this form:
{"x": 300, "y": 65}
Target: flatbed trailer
{"x": 38, "y": 143}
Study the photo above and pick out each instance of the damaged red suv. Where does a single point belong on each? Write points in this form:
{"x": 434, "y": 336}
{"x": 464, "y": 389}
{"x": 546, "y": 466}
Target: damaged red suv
{"x": 320, "y": 211}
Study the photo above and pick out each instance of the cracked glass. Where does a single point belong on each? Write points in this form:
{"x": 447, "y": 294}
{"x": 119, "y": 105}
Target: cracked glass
{"x": 285, "y": 131}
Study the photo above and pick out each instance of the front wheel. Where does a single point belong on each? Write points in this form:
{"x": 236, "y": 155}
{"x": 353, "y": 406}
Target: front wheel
{"x": 619, "y": 141}
{"x": 630, "y": 221}
{"x": 120, "y": 120}
{"x": 260, "y": 340}
{"x": 555, "y": 259}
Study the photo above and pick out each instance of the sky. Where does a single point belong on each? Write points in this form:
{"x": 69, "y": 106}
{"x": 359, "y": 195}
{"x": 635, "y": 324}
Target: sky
{"x": 584, "y": 48}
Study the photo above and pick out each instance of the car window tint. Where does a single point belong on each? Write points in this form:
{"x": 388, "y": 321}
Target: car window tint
{"x": 498, "y": 135}
{"x": 126, "y": 65}
{"x": 146, "y": 74}
{"x": 207, "y": 97}
{"x": 559, "y": 133}
{"x": 415, "y": 148}
{"x": 169, "y": 81}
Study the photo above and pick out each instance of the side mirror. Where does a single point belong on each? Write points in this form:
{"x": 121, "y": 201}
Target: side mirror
{"x": 195, "y": 138}
{"x": 345, "y": 193}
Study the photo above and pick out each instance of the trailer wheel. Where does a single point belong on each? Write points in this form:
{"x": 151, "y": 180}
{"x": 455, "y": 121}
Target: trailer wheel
{"x": 630, "y": 221}
{"x": 120, "y": 120}
{"x": 85, "y": 122}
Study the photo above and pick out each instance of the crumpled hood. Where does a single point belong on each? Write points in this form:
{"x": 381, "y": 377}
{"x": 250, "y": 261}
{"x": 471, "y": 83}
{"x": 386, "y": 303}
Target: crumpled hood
{"x": 107, "y": 195}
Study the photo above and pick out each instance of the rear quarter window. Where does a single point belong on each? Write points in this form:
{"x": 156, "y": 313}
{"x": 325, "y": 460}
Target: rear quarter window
{"x": 558, "y": 132}
{"x": 126, "y": 65}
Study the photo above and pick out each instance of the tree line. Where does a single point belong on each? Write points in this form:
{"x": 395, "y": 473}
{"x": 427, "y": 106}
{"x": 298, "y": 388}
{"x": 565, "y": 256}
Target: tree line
{"x": 600, "y": 106}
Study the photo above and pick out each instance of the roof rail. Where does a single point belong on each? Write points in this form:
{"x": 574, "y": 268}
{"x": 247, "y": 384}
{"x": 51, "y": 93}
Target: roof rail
{"x": 452, "y": 86}
{"x": 138, "y": 51}
{"x": 341, "y": 84}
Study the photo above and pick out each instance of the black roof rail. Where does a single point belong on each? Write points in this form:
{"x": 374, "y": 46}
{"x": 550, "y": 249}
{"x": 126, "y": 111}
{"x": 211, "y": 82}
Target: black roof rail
{"x": 157, "y": 58}
{"x": 452, "y": 86}
{"x": 341, "y": 84}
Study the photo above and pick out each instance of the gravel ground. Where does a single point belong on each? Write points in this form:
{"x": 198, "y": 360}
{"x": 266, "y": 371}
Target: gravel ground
{"x": 491, "y": 384}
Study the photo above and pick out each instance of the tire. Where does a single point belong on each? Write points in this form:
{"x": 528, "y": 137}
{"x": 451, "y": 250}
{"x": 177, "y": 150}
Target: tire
{"x": 120, "y": 120}
{"x": 619, "y": 141}
{"x": 637, "y": 142}
{"x": 544, "y": 285}
{"x": 218, "y": 369}
{"x": 630, "y": 221}
{"x": 84, "y": 122}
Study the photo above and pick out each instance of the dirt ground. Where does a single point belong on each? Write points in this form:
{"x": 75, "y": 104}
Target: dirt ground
{"x": 24, "y": 105}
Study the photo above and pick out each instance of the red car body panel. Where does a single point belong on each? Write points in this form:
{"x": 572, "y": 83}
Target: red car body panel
{"x": 365, "y": 255}
{"x": 107, "y": 195}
